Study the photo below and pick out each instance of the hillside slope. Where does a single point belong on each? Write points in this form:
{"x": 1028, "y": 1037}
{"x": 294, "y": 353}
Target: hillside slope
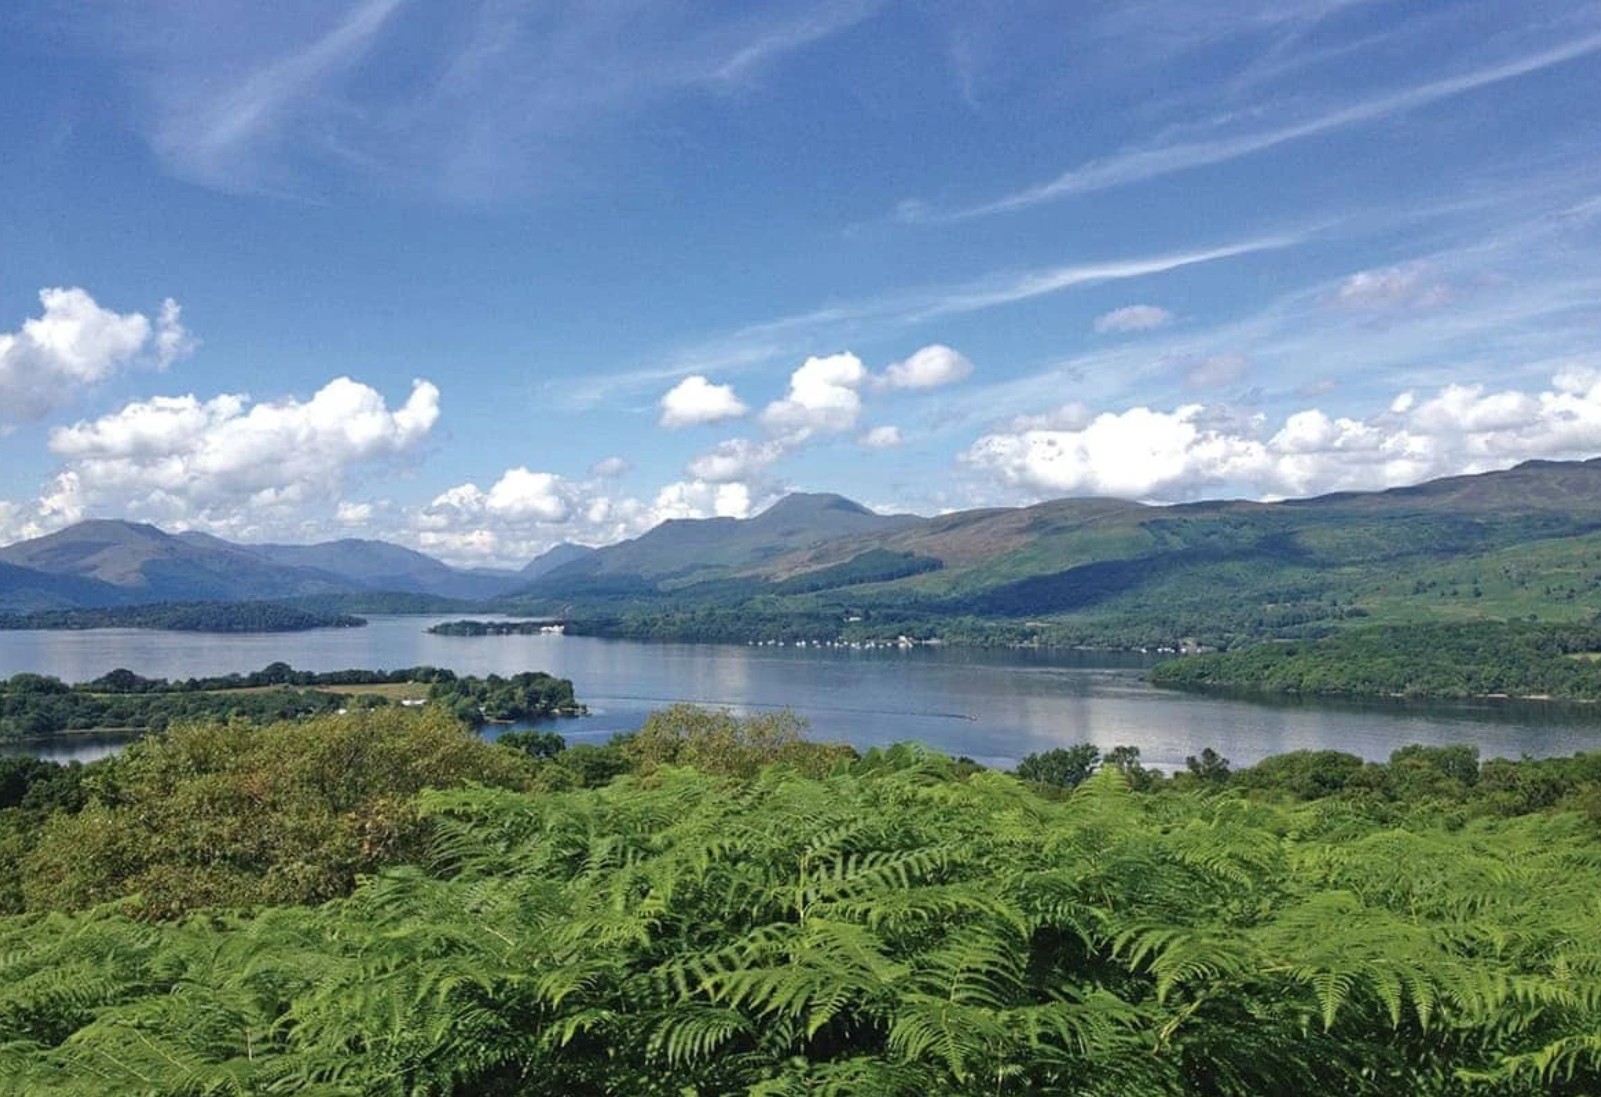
{"x": 1101, "y": 571}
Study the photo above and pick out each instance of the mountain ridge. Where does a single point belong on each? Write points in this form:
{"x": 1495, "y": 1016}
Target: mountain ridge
{"x": 1092, "y": 570}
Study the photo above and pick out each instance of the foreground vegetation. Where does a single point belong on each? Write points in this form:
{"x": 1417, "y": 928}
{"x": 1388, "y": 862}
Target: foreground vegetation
{"x": 717, "y": 906}
{"x": 1480, "y": 659}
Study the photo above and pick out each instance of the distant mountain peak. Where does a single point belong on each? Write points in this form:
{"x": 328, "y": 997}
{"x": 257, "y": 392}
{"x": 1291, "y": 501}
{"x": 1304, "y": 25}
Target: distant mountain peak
{"x": 805, "y": 504}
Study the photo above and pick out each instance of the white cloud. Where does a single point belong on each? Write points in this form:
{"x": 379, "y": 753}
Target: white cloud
{"x": 1167, "y": 455}
{"x": 881, "y": 438}
{"x": 1133, "y": 318}
{"x": 695, "y": 400}
{"x": 16, "y": 522}
{"x": 1139, "y": 453}
{"x": 521, "y": 515}
{"x": 698, "y": 499}
{"x": 822, "y": 398}
{"x": 1410, "y": 286}
{"x": 526, "y": 512}
{"x": 775, "y": 339}
{"x": 735, "y": 459}
{"x": 182, "y": 459}
{"x": 609, "y": 468}
{"x": 354, "y": 514}
{"x": 930, "y": 367}
{"x": 76, "y": 344}
{"x": 521, "y": 495}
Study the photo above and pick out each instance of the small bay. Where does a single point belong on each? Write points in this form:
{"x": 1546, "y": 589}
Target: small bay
{"x": 994, "y": 706}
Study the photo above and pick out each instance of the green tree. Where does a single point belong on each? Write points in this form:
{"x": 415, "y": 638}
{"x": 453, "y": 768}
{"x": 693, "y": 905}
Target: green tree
{"x": 536, "y": 744}
{"x": 232, "y": 815}
{"x": 1062, "y": 767}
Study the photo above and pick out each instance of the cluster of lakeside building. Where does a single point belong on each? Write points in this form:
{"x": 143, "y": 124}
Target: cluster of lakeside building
{"x": 859, "y": 645}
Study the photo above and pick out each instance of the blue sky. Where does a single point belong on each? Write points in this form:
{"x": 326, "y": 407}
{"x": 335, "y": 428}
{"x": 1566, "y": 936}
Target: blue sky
{"x": 480, "y": 277}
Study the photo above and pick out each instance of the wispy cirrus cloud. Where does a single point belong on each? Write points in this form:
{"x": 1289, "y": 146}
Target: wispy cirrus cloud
{"x": 226, "y": 140}
{"x": 1138, "y": 164}
{"x": 833, "y": 325}
{"x": 493, "y": 97}
{"x": 1516, "y": 302}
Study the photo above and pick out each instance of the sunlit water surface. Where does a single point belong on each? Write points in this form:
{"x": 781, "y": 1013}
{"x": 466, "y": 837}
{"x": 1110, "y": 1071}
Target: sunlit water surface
{"x": 993, "y": 706}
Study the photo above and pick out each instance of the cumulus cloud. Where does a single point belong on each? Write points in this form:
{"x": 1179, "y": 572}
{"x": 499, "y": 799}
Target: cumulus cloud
{"x": 354, "y": 514}
{"x": 1145, "y": 453}
{"x": 1133, "y": 318}
{"x": 75, "y": 344}
{"x": 823, "y": 398}
{"x": 1411, "y": 286}
{"x": 699, "y": 499}
{"x": 16, "y": 522}
{"x": 180, "y": 458}
{"x": 695, "y": 400}
{"x": 523, "y": 513}
{"x": 736, "y": 459}
{"x": 520, "y": 496}
{"x": 526, "y": 512}
{"x": 609, "y": 468}
{"x": 928, "y": 368}
{"x": 881, "y": 438}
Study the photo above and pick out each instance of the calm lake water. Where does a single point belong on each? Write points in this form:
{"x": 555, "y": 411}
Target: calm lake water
{"x": 992, "y": 706}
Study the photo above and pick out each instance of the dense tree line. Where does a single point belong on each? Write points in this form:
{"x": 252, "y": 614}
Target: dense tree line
{"x": 186, "y": 617}
{"x": 1515, "y": 659}
{"x": 488, "y": 628}
{"x": 729, "y": 913}
{"x": 34, "y": 706}
{"x": 29, "y": 712}
{"x": 879, "y": 565}
{"x": 531, "y": 695}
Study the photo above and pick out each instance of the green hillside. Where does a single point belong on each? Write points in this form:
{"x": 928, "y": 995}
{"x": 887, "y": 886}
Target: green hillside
{"x": 1520, "y": 543}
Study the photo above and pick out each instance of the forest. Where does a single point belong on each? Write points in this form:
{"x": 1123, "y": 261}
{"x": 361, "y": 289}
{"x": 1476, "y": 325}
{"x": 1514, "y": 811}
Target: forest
{"x": 34, "y": 706}
{"x": 386, "y": 904}
{"x": 1469, "y": 659}
{"x": 187, "y": 617}
{"x": 471, "y": 627}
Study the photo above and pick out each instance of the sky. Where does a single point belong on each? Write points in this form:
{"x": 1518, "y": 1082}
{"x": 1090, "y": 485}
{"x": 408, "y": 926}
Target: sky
{"x": 483, "y": 276}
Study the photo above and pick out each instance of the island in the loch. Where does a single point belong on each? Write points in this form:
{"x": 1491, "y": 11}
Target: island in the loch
{"x": 34, "y": 706}
{"x": 544, "y": 627}
{"x": 186, "y": 617}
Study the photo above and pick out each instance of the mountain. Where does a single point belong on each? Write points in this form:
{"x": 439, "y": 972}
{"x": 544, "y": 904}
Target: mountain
{"x": 1509, "y": 544}
{"x": 553, "y": 558}
{"x": 685, "y": 550}
{"x": 24, "y": 590}
{"x": 151, "y": 566}
{"x": 102, "y": 562}
{"x": 1512, "y": 544}
{"x": 378, "y": 565}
